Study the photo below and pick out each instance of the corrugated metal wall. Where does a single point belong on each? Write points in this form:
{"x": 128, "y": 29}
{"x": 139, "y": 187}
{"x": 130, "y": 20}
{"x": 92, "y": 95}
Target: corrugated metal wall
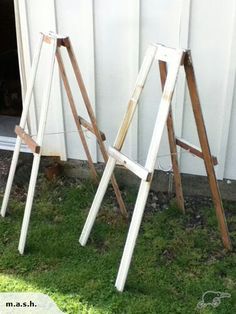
{"x": 110, "y": 39}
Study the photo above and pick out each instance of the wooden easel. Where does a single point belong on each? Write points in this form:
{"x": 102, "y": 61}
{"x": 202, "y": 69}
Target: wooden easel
{"x": 55, "y": 43}
{"x": 174, "y": 58}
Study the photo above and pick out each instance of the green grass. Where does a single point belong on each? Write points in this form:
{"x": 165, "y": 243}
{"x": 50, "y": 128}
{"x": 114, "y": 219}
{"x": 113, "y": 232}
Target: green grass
{"x": 172, "y": 267}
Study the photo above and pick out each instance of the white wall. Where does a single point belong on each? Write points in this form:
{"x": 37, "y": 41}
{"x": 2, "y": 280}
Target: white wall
{"x": 110, "y": 39}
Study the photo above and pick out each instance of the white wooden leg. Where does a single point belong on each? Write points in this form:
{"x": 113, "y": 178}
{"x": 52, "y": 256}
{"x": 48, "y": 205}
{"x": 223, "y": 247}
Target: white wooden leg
{"x": 10, "y": 177}
{"x": 149, "y": 165}
{"x": 132, "y": 235}
{"x": 29, "y": 202}
{"x": 23, "y": 120}
{"x": 39, "y": 141}
{"x": 97, "y": 200}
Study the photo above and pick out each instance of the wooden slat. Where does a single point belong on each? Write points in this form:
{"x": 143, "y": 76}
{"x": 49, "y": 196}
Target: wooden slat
{"x": 193, "y": 149}
{"x": 89, "y": 127}
{"x": 133, "y": 166}
{"x": 172, "y": 144}
{"x": 47, "y": 39}
{"x": 33, "y": 146}
{"x": 132, "y": 105}
{"x": 144, "y": 188}
{"x": 92, "y": 117}
{"x": 216, "y": 197}
{"x": 75, "y": 114}
{"x": 167, "y": 54}
{"x": 61, "y": 41}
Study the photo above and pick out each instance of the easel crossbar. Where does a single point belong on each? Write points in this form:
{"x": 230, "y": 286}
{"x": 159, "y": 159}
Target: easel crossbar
{"x": 27, "y": 139}
{"x": 89, "y": 127}
{"x": 193, "y": 149}
{"x": 133, "y": 166}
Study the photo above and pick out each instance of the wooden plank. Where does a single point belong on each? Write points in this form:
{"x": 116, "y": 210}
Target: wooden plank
{"x": 89, "y": 127}
{"x": 57, "y": 97}
{"x": 36, "y": 161}
{"x": 102, "y": 187}
{"x": 145, "y": 68}
{"x": 33, "y": 146}
{"x": 61, "y": 41}
{"x": 94, "y": 123}
{"x": 167, "y": 54}
{"x": 47, "y": 39}
{"x": 150, "y": 164}
{"x": 172, "y": 144}
{"x": 75, "y": 114}
{"x": 110, "y": 165}
{"x": 133, "y": 166}
{"x": 193, "y": 149}
{"x": 23, "y": 120}
{"x": 192, "y": 86}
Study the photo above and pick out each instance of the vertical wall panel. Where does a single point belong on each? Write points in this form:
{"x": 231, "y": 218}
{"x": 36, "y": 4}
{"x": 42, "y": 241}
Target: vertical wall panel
{"x": 25, "y": 57}
{"x": 230, "y": 169}
{"x": 160, "y": 22}
{"x": 41, "y": 18}
{"x": 226, "y": 143}
{"x": 75, "y": 19}
{"x": 116, "y": 50}
{"x": 210, "y": 37}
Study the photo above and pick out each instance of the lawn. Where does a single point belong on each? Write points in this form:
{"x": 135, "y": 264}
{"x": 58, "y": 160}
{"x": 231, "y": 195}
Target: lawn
{"x": 174, "y": 263}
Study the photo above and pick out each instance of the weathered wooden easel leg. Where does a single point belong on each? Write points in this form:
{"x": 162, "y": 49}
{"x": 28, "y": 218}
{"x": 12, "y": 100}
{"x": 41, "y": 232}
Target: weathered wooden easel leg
{"x": 75, "y": 114}
{"x": 191, "y": 81}
{"x": 118, "y": 144}
{"x": 97, "y": 201}
{"x": 172, "y": 143}
{"x": 37, "y": 157}
{"x": 94, "y": 123}
{"x": 22, "y": 125}
{"x": 145, "y": 186}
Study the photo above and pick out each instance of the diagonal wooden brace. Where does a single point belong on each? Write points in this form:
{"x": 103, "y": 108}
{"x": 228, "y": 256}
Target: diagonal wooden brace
{"x": 33, "y": 146}
{"x": 193, "y": 149}
{"x": 202, "y": 134}
{"x": 89, "y": 127}
{"x": 172, "y": 144}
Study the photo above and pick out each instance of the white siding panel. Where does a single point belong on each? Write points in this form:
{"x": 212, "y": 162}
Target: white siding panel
{"x": 210, "y": 38}
{"x": 160, "y": 22}
{"x": 75, "y": 19}
{"x": 110, "y": 39}
{"x": 230, "y": 169}
{"x": 41, "y": 18}
{"x": 227, "y": 130}
{"x": 116, "y": 54}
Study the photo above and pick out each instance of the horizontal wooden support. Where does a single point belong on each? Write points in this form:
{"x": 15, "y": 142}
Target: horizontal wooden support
{"x": 61, "y": 41}
{"x": 193, "y": 149}
{"x": 133, "y": 166}
{"x": 89, "y": 127}
{"x": 33, "y": 146}
{"x": 167, "y": 54}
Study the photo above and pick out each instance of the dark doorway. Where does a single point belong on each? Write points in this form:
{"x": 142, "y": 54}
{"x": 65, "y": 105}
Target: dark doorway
{"x": 10, "y": 88}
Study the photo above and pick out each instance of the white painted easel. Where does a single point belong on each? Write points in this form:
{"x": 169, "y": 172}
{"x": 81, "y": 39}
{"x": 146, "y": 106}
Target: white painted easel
{"x": 55, "y": 42}
{"x": 174, "y": 58}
